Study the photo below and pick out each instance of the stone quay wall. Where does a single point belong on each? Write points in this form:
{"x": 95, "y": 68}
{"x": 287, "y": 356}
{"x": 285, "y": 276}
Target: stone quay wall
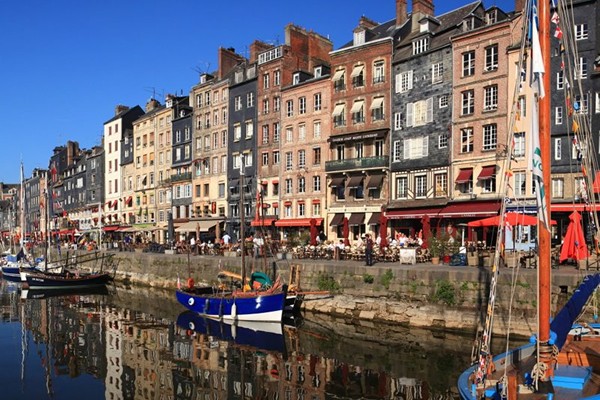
{"x": 421, "y": 295}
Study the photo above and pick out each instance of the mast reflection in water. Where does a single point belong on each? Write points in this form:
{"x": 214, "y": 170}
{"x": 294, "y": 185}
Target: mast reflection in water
{"x": 141, "y": 345}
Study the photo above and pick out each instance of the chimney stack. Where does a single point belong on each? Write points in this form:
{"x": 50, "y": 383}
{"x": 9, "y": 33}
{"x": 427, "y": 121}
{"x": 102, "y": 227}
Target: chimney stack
{"x": 423, "y": 7}
{"x": 401, "y": 13}
{"x": 152, "y": 104}
{"x": 519, "y": 6}
{"x": 120, "y": 108}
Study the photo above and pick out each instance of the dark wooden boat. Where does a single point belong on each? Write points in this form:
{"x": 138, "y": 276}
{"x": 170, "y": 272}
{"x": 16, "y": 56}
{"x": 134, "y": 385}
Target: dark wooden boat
{"x": 67, "y": 280}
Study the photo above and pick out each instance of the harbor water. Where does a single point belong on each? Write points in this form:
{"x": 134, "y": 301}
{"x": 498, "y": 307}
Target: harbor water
{"x": 140, "y": 344}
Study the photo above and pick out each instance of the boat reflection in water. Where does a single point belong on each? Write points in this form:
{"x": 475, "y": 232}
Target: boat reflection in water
{"x": 123, "y": 346}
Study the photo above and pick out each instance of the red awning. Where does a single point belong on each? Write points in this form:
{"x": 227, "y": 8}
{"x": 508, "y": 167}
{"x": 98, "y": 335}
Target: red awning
{"x": 570, "y": 207}
{"x": 110, "y": 228}
{"x": 471, "y": 209}
{"x": 413, "y": 213}
{"x": 66, "y": 232}
{"x": 487, "y": 172}
{"x": 297, "y": 222}
{"x": 287, "y": 203}
{"x": 267, "y": 221}
{"x": 464, "y": 175}
{"x": 275, "y": 205}
{"x": 316, "y": 201}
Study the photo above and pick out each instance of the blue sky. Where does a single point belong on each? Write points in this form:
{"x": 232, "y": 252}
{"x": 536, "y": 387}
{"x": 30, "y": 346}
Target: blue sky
{"x": 64, "y": 65}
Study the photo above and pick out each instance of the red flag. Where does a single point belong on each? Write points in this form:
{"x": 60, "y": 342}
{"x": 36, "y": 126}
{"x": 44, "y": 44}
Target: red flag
{"x": 558, "y": 33}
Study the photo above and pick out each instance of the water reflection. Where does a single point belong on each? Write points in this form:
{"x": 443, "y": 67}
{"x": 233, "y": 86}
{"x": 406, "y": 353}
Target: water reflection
{"x": 94, "y": 344}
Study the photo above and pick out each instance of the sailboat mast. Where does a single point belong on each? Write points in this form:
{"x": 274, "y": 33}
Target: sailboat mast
{"x": 544, "y": 264}
{"x": 22, "y": 208}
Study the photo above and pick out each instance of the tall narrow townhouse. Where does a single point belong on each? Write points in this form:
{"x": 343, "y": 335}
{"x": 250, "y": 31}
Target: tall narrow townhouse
{"x": 89, "y": 224}
{"x": 35, "y": 200}
{"x": 143, "y": 177}
{"x": 358, "y": 156}
{"x": 181, "y": 160}
{"x": 210, "y": 100}
{"x": 480, "y": 108}
{"x": 61, "y": 163}
{"x": 241, "y": 168}
{"x": 422, "y": 110}
{"x": 118, "y": 158}
{"x": 280, "y": 66}
{"x": 162, "y": 174}
{"x": 303, "y": 146}
{"x": 575, "y": 106}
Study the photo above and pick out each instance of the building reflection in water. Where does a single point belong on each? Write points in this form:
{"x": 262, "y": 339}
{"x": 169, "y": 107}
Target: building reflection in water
{"x": 139, "y": 356}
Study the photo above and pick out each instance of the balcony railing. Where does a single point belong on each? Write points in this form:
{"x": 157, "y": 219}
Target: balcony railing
{"x": 357, "y": 163}
{"x": 185, "y": 176}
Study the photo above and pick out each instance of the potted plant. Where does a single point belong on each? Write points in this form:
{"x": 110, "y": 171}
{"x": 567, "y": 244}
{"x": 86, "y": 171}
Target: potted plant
{"x": 436, "y": 248}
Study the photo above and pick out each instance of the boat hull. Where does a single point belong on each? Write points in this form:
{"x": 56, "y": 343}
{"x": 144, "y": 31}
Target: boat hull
{"x": 61, "y": 281}
{"x": 13, "y": 272}
{"x": 266, "y": 307}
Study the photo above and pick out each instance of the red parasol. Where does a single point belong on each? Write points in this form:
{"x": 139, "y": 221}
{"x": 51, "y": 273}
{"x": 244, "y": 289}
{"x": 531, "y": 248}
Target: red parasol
{"x": 383, "y": 230}
{"x": 345, "y": 231}
{"x": 574, "y": 246}
{"x": 510, "y": 218}
{"x": 313, "y": 232}
{"x": 426, "y": 230}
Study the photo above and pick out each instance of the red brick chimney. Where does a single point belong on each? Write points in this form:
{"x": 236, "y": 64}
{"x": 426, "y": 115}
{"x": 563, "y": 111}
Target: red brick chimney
{"x": 423, "y": 7}
{"x": 519, "y": 5}
{"x": 401, "y": 13}
{"x": 228, "y": 59}
{"x": 367, "y": 23}
{"x": 256, "y": 48}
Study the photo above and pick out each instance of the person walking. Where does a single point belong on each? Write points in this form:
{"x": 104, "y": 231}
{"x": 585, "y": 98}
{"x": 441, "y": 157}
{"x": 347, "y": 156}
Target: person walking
{"x": 369, "y": 250}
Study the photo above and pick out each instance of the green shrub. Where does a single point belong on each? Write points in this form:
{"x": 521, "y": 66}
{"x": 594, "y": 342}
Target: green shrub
{"x": 367, "y": 278}
{"x": 326, "y": 282}
{"x": 386, "y": 278}
{"x": 444, "y": 292}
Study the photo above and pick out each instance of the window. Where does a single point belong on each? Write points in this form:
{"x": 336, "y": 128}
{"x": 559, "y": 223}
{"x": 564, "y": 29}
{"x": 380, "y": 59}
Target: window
{"x": 289, "y": 134}
{"x": 404, "y": 82}
{"x": 519, "y": 144}
{"x": 340, "y": 150}
{"x": 265, "y": 134}
{"x": 358, "y": 150}
{"x": 289, "y": 105}
{"x": 420, "y": 186}
{"x": 339, "y": 80}
{"x": 421, "y": 45}
{"x": 489, "y": 184}
{"x": 581, "y": 71}
{"x": 276, "y": 157}
{"x": 289, "y": 161}
{"x": 397, "y": 121}
{"x": 520, "y": 184}
{"x": 237, "y": 132}
{"x": 490, "y": 98}
{"x": 317, "y": 129}
{"x": 416, "y": 148}
{"x": 522, "y": 106}
{"x": 466, "y": 140}
{"x": 301, "y": 185}
{"x": 359, "y": 37}
{"x": 249, "y": 129}
{"x": 276, "y": 104}
{"x": 468, "y": 102}
{"x": 419, "y": 113}
{"x": 597, "y": 103}
{"x": 317, "y": 101}
{"x": 316, "y": 155}
{"x": 558, "y": 116}
{"x": 468, "y": 63}
{"x": 581, "y": 32}
{"x": 301, "y": 209}
{"x": 357, "y": 111}
{"x": 358, "y": 76}
{"x": 441, "y": 185}
{"x": 560, "y": 80}
{"x": 557, "y": 148}
{"x": 301, "y": 158}
{"x": 442, "y": 141}
{"x": 396, "y": 154}
{"x": 437, "y": 73}
{"x": 302, "y": 105}
{"x": 377, "y": 113}
{"x": 558, "y": 188}
{"x": 301, "y": 133}
{"x": 379, "y": 72}
{"x": 443, "y": 101}
{"x": 265, "y": 106}
{"x": 277, "y": 77}
{"x": 401, "y": 187}
{"x": 339, "y": 118}
{"x": 581, "y": 104}
{"x": 318, "y": 71}
{"x": 316, "y": 183}
{"x": 491, "y": 58}
{"x": 276, "y": 132}
{"x": 238, "y": 103}
{"x": 490, "y": 136}
{"x": 266, "y": 81}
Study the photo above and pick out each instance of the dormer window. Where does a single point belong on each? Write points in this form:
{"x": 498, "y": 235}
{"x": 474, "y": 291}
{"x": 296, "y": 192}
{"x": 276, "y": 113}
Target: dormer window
{"x": 424, "y": 26}
{"x": 318, "y": 71}
{"x": 468, "y": 24}
{"x": 296, "y": 78}
{"x": 492, "y": 17}
{"x": 420, "y": 46}
{"x": 359, "y": 38}
{"x": 182, "y": 113}
{"x": 169, "y": 102}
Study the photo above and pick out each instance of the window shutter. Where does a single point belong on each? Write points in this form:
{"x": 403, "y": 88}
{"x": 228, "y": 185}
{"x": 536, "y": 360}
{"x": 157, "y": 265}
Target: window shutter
{"x": 410, "y": 79}
{"x": 406, "y": 149}
{"x": 409, "y": 114}
{"x": 425, "y": 151}
{"x": 430, "y": 110}
{"x": 398, "y": 82}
